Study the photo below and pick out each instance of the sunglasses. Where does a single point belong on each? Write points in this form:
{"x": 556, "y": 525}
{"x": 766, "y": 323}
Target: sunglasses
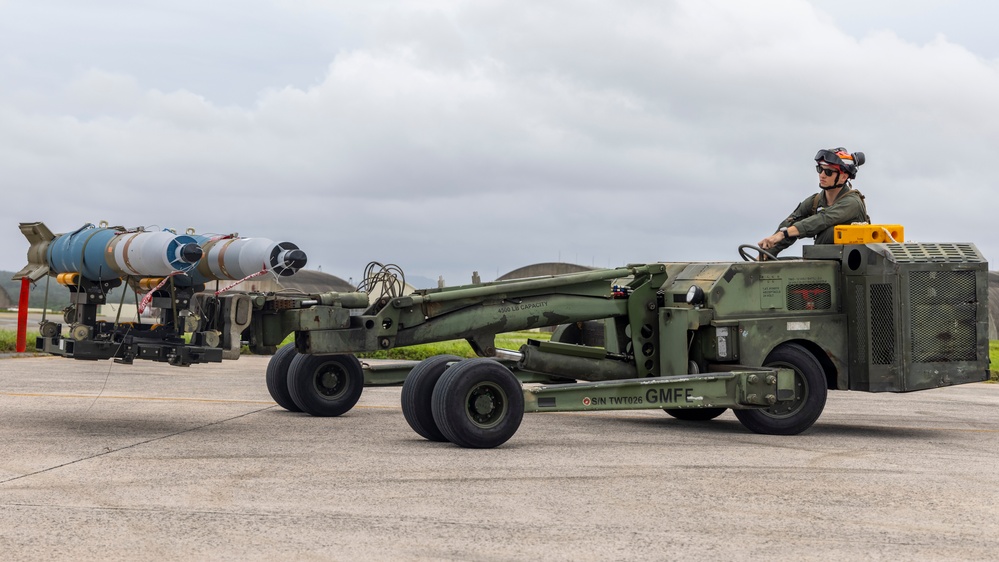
{"x": 826, "y": 171}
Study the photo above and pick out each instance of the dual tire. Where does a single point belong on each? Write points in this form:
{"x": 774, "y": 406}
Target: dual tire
{"x": 277, "y": 377}
{"x": 473, "y": 403}
{"x": 320, "y": 385}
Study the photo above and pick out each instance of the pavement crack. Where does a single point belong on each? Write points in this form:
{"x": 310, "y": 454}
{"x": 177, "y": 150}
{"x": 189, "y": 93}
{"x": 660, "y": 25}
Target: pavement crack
{"x": 108, "y": 450}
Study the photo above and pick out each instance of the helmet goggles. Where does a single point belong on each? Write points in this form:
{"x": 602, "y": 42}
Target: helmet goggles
{"x": 842, "y": 159}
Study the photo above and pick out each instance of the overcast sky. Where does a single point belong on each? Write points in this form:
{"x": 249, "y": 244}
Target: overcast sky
{"x": 448, "y": 137}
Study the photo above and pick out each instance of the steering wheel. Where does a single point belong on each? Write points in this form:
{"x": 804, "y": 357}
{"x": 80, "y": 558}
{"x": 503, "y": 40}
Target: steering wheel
{"x": 747, "y": 257}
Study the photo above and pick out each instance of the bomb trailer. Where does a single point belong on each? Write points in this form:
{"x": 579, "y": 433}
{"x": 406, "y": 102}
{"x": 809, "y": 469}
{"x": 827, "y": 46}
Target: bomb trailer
{"x": 767, "y": 339}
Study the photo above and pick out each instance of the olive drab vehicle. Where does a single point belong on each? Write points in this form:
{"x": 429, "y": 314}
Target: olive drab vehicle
{"x": 767, "y": 339}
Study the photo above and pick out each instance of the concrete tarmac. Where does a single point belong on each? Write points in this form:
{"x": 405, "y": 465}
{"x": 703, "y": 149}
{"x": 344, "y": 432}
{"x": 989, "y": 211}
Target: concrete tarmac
{"x": 100, "y": 461}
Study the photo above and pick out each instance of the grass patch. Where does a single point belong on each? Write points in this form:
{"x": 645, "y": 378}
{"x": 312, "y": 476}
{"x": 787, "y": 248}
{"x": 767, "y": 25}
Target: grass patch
{"x": 994, "y": 358}
{"x": 460, "y": 348}
{"x": 512, "y": 340}
{"x": 8, "y": 341}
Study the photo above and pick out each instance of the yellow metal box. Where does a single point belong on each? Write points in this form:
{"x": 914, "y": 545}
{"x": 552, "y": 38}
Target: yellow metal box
{"x": 869, "y": 234}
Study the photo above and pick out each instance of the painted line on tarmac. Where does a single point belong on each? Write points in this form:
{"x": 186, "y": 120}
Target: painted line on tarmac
{"x": 162, "y": 399}
{"x": 125, "y": 397}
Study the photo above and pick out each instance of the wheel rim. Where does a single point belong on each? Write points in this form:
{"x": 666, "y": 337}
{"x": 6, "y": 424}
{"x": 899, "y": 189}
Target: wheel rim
{"x": 486, "y": 405}
{"x": 330, "y": 380}
{"x": 789, "y": 408}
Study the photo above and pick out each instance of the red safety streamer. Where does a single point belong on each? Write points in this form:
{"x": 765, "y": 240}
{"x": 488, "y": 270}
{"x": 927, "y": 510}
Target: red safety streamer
{"x": 149, "y": 296}
{"x": 22, "y": 315}
{"x": 250, "y": 276}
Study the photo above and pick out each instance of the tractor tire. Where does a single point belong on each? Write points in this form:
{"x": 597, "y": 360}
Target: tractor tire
{"x": 587, "y": 332}
{"x": 695, "y": 414}
{"x": 790, "y": 417}
{"x": 325, "y": 385}
{"x": 277, "y": 377}
{"x": 478, "y": 404}
{"x": 418, "y": 393}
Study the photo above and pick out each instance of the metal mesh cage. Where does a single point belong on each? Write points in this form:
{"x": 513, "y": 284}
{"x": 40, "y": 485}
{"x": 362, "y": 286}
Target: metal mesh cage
{"x": 934, "y": 253}
{"x": 944, "y": 309}
{"x": 882, "y": 324}
{"x": 860, "y": 309}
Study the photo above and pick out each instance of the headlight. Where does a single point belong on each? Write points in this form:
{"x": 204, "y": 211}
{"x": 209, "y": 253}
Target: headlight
{"x": 695, "y": 296}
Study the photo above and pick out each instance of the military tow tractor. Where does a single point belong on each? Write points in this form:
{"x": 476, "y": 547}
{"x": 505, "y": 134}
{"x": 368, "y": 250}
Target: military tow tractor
{"x": 764, "y": 338}
{"x": 767, "y": 339}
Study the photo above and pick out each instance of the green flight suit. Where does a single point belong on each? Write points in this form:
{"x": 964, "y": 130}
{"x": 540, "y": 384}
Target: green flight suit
{"x": 819, "y": 221}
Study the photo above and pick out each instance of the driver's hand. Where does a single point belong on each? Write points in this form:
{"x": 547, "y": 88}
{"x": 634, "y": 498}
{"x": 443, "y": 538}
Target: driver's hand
{"x": 767, "y": 242}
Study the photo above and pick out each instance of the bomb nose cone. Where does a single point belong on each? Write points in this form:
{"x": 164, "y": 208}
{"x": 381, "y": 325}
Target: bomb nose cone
{"x": 295, "y": 259}
{"x": 191, "y": 253}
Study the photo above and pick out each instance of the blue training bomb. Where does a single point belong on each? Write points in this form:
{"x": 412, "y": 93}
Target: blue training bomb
{"x": 104, "y": 253}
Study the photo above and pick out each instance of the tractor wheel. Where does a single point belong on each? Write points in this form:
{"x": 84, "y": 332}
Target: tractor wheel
{"x": 695, "y": 414}
{"x": 418, "y": 393}
{"x": 325, "y": 385}
{"x": 790, "y": 417}
{"x": 478, "y": 404}
{"x": 587, "y": 332}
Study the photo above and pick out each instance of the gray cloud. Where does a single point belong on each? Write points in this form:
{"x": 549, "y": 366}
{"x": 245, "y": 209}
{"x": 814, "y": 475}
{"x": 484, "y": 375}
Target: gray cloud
{"x": 469, "y": 136}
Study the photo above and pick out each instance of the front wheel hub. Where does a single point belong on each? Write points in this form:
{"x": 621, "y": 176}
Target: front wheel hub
{"x": 486, "y": 405}
{"x": 329, "y": 381}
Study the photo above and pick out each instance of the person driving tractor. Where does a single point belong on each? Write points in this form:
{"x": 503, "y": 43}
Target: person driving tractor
{"x": 818, "y": 215}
